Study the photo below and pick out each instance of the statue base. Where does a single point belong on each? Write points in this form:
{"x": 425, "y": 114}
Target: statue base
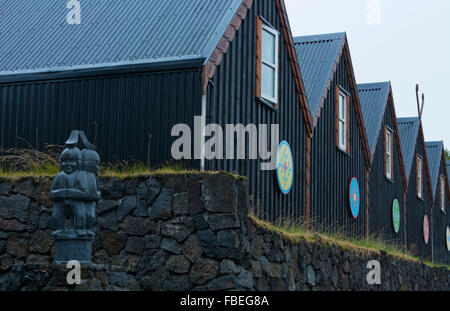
{"x": 71, "y": 246}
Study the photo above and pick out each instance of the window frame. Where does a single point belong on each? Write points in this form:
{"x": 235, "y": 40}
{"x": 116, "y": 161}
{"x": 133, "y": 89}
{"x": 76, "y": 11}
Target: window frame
{"x": 419, "y": 177}
{"x": 442, "y": 192}
{"x": 344, "y": 145}
{"x": 263, "y": 25}
{"x": 388, "y": 156}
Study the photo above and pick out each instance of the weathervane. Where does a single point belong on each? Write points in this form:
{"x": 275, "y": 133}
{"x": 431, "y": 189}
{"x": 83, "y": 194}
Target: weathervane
{"x": 420, "y": 107}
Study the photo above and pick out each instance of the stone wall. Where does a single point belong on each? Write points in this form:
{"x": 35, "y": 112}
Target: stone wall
{"x": 179, "y": 232}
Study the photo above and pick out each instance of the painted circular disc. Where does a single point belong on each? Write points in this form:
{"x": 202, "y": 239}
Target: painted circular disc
{"x": 426, "y": 229}
{"x": 448, "y": 239}
{"x": 396, "y": 215}
{"x": 354, "y": 197}
{"x": 285, "y": 167}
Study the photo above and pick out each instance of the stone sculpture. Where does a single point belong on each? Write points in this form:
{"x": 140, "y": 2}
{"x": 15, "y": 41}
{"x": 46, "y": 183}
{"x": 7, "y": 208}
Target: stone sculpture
{"x": 75, "y": 194}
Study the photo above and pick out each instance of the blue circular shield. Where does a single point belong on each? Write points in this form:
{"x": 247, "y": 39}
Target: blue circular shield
{"x": 354, "y": 197}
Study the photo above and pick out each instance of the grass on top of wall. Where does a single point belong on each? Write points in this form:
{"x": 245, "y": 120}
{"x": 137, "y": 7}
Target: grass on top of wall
{"x": 17, "y": 164}
{"x": 295, "y": 233}
{"x": 123, "y": 171}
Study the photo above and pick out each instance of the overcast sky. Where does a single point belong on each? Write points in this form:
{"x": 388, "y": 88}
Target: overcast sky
{"x": 408, "y": 42}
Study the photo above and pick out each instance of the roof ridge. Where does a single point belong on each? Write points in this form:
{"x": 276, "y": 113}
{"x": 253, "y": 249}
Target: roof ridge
{"x": 320, "y": 37}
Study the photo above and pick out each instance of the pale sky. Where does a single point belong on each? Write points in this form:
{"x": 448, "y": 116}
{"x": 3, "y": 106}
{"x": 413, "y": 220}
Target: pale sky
{"x": 410, "y": 45}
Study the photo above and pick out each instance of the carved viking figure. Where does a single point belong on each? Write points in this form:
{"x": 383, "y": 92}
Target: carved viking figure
{"x": 75, "y": 188}
{"x": 90, "y": 164}
{"x": 69, "y": 191}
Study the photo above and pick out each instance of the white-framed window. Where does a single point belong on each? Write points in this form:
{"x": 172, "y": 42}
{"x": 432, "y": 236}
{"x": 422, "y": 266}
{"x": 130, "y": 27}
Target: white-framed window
{"x": 442, "y": 193}
{"x": 269, "y": 63}
{"x": 342, "y": 120}
{"x": 388, "y": 157}
{"x": 419, "y": 176}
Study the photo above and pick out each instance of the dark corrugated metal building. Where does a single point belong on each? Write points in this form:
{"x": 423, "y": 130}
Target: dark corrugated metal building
{"x": 132, "y": 70}
{"x": 232, "y": 98}
{"x": 439, "y": 183}
{"x": 419, "y": 197}
{"x": 387, "y": 179}
{"x": 338, "y": 148}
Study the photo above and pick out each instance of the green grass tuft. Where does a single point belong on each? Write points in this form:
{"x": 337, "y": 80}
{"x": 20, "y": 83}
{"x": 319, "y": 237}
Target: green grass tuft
{"x": 295, "y": 233}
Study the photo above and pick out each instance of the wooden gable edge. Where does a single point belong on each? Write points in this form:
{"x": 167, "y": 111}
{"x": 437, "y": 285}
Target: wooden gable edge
{"x": 222, "y": 47}
{"x": 357, "y": 105}
{"x": 345, "y": 51}
{"x": 425, "y": 159}
{"x": 397, "y": 138}
{"x": 445, "y": 174}
{"x": 327, "y": 87}
{"x": 292, "y": 54}
{"x": 378, "y": 130}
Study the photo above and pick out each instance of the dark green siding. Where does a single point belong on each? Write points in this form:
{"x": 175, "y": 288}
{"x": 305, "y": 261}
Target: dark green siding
{"x": 232, "y": 100}
{"x": 332, "y": 170}
{"x": 126, "y": 108}
{"x": 417, "y": 208}
{"x": 383, "y": 192}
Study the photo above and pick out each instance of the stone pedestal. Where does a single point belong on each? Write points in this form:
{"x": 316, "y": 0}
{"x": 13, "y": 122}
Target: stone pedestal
{"x": 73, "y": 247}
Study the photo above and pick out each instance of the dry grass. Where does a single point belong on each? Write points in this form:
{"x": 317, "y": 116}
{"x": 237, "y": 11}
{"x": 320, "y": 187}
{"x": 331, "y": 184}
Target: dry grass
{"x": 16, "y": 164}
{"x": 296, "y": 233}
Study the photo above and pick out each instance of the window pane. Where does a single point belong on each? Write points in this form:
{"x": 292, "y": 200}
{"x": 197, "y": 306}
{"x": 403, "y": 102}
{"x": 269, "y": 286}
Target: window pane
{"x": 268, "y": 81}
{"x": 388, "y": 142}
{"x": 268, "y": 47}
{"x": 341, "y": 134}
{"x": 341, "y": 106}
{"x": 388, "y": 166}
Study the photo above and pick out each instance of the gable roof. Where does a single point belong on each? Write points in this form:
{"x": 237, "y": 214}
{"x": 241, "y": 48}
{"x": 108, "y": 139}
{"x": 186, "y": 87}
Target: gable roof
{"x": 434, "y": 153}
{"x": 37, "y": 38}
{"x": 317, "y": 57}
{"x": 408, "y": 129}
{"x": 373, "y": 98}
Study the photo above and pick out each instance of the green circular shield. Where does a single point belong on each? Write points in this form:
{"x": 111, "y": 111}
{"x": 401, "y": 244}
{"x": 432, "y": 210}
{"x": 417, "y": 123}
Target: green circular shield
{"x": 396, "y": 215}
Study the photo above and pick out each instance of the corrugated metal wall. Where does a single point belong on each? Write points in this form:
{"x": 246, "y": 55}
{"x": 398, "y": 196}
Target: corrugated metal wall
{"x": 383, "y": 192}
{"x": 232, "y": 100}
{"x": 416, "y": 209}
{"x": 440, "y": 223}
{"x": 332, "y": 170}
{"x": 126, "y": 108}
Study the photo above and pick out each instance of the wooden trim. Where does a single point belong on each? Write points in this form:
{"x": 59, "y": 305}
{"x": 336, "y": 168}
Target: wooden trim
{"x": 356, "y": 104}
{"x": 258, "y": 56}
{"x": 308, "y": 183}
{"x": 417, "y": 177}
{"x": 441, "y": 185}
{"x": 337, "y": 116}
{"x": 397, "y": 140}
{"x": 345, "y": 52}
{"x": 221, "y": 49}
{"x": 292, "y": 54}
{"x": 347, "y": 122}
{"x": 391, "y": 134}
{"x": 404, "y": 219}
{"x": 385, "y": 151}
{"x": 367, "y": 202}
{"x": 444, "y": 160}
{"x": 425, "y": 165}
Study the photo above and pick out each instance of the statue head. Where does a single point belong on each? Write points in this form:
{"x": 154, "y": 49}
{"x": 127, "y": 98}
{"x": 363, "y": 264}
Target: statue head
{"x": 69, "y": 160}
{"x": 90, "y": 161}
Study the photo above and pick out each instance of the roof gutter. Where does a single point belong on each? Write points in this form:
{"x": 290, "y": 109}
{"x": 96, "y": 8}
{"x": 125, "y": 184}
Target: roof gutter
{"x": 100, "y": 70}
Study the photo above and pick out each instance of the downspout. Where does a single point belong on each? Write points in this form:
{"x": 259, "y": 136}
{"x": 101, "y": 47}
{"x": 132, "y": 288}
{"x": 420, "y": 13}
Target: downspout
{"x": 308, "y": 181}
{"x": 203, "y": 125}
{"x": 367, "y": 201}
{"x": 404, "y": 218}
